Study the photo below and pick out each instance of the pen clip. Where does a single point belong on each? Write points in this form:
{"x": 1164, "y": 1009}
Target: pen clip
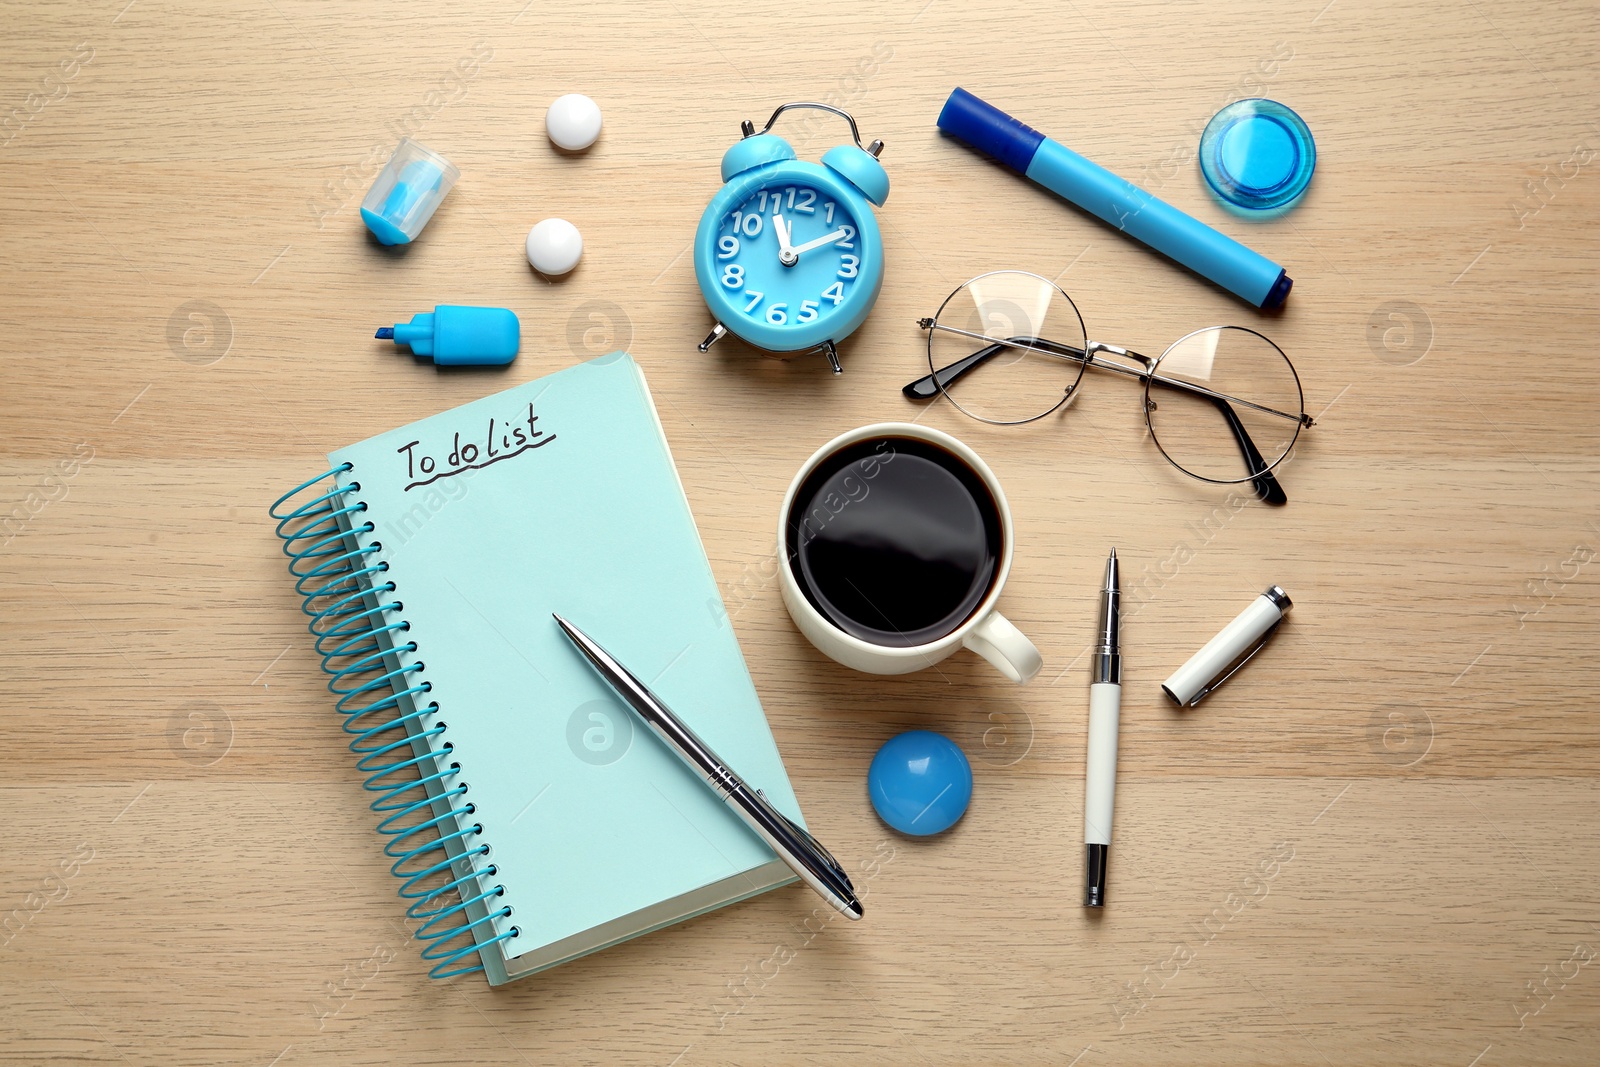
{"x": 1261, "y": 643}
{"x": 805, "y": 835}
{"x": 821, "y": 851}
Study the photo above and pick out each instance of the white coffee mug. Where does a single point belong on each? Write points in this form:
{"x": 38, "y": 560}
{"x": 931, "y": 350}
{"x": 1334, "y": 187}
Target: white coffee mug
{"x": 985, "y": 630}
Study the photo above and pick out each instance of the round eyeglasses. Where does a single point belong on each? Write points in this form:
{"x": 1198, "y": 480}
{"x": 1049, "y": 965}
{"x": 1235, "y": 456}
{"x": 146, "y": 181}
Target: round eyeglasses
{"x": 1223, "y": 403}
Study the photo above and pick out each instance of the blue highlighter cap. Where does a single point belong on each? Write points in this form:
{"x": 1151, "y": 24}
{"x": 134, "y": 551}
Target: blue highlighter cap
{"x": 1257, "y": 155}
{"x": 406, "y": 193}
{"x": 920, "y": 783}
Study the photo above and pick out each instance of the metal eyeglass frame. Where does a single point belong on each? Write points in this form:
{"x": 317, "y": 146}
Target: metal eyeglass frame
{"x": 1260, "y": 471}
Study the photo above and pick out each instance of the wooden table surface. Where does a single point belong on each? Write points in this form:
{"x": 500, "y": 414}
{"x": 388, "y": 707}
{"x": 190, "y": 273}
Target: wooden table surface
{"x": 1377, "y": 844}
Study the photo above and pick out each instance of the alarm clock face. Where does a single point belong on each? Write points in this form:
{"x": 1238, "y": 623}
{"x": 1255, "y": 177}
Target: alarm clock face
{"x": 790, "y": 255}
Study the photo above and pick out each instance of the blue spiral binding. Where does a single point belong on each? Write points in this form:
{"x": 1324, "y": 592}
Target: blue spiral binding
{"x": 338, "y": 579}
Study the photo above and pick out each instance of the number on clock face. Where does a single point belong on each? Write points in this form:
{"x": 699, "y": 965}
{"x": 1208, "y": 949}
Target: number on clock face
{"x": 788, "y": 254}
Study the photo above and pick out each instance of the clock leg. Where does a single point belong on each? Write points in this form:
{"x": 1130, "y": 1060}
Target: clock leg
{"x": 717, "y": 330}
{"x": 833, "y": 356}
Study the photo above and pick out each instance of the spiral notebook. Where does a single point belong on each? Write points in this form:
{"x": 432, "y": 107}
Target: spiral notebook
{"x": 530, "y": 817}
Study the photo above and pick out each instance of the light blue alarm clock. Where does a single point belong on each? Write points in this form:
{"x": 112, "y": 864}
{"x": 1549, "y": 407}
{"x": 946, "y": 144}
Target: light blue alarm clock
{"x": 788, "y": 254}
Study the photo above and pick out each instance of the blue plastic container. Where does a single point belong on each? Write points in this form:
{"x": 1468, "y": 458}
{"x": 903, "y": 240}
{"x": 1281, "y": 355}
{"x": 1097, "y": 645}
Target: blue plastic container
{"x": 1257, "y": 155}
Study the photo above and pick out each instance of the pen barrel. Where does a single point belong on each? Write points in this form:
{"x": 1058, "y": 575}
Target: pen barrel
{"x": 1156, "y": 223}
{"x": 1097, "y": 859}
{"x": 1106, "y": 666}
{"x": 798, "y": 850}
{"x": 688, "y": 747}
{"x": 1100, "y": 778}
{"x": 757, "y": 812}
{"x": 1235, "y": 639}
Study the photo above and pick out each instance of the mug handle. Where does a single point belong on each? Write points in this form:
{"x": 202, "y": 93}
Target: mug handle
{"x": 1005, "y": 646}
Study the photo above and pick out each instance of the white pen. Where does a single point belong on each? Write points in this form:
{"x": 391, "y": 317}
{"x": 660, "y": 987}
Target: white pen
{"x": 1105, "y": 709}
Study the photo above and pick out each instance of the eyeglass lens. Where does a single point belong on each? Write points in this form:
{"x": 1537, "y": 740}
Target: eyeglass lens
{"x": 1019, "y": 381}
{"x": 1245, "y": 398}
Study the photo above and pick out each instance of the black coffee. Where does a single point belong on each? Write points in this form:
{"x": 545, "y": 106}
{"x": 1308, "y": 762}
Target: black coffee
{"x": 894, "y": 540}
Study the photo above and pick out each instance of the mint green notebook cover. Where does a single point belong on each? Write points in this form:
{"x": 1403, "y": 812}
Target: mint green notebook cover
{"x": 561, "y": 495}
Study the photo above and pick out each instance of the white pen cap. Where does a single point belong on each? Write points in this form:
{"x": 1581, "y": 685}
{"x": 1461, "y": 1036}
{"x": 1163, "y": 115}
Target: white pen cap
{"x": 1227, "y": 652}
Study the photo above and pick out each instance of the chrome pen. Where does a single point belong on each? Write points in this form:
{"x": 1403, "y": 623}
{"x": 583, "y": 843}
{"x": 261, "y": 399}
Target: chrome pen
{"x": 1105, "y": 709}
{"x": 803, "y": 853}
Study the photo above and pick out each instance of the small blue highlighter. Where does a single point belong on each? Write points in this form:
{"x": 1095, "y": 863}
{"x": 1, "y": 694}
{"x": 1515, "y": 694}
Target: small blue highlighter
{"x": 455, "y": 336}
{"x": 1183, "y": 238}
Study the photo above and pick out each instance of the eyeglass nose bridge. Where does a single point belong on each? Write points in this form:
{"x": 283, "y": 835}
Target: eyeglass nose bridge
{"x": 1092, "y": 348}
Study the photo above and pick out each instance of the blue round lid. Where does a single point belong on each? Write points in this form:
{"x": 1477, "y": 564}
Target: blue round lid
{"x": 920, "y": 783}
{"x": 1258, "y": 155}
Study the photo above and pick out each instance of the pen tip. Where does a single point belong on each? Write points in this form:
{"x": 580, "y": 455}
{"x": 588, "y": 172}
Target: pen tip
{"x": 1113, "y": 552}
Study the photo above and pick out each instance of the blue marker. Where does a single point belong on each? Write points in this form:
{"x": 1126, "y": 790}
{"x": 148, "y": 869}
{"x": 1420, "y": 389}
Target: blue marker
{"x": 1156, "y": 223}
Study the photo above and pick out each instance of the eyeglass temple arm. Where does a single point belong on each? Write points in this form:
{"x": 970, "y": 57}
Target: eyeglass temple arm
{"x": 927, "y": 387}
{"x": 1266, "y": 486}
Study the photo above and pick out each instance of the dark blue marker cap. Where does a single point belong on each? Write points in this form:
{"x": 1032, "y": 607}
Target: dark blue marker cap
{"x": 989, "y": 130}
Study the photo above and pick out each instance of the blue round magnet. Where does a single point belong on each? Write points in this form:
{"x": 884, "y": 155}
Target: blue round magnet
{"x": 920, "y": 783}
{"x": 1258, "y": 155}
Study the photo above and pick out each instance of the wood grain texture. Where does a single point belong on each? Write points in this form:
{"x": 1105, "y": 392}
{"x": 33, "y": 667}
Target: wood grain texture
{"x": 1379, "y": 846}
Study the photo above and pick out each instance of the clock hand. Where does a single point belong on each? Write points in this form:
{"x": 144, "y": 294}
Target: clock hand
{"x": 786, "y": 255}
{"x": 825, "y": 239}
